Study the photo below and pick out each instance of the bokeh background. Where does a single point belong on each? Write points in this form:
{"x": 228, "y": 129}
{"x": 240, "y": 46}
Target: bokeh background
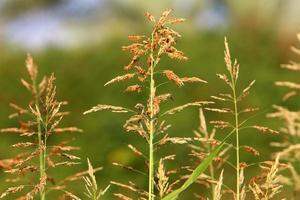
{"x": 80, "y": 41}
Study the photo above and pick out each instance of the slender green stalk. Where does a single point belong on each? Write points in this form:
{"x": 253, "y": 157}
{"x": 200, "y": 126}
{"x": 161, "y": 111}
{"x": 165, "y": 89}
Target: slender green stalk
{"x": 42, "y": 156}
{"x": 151, "y": 129}
{"x": 237, "y": 139}
{"x": 45, "y": 153}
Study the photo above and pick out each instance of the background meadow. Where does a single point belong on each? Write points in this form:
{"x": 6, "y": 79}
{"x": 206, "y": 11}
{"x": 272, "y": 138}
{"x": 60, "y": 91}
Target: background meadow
{"x": 80, "y": 41}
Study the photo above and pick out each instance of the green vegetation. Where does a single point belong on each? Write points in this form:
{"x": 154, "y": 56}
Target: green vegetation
{"x": 81, "y": 75}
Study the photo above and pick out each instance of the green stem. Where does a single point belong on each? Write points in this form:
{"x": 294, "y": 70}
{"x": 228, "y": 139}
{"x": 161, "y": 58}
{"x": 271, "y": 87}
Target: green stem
{"x": 42, "y": 160}
{"x": 237, "y": 141}
{"x": 151, "y": 128}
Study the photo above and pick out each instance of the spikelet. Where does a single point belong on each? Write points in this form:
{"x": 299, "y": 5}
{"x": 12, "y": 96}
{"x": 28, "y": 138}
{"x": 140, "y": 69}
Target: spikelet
{"x": 192, "y": 80}
{"x": 220, "y": 124}
{"x": 134, "y": 150}
{"x": 120, "y": 78}
{"x": 173, "y": 77}
{"x": 245, "y": 92}
{"x": 181, "y": 108}
{"x": 251, "y": 150}
{"x": 135, "y": 37}
{"x": 23, "y": 144}
{"x": 174, "y": 140}
{"x": 227, "y": 56}
{"x": 134, "y": 88}
{"x": 265, "y": 129}
{"x": 150, "y": 17}
{"x": 248, "y": 110}
{"x": 99, "y": 107}
{"x": 175, "y": 21}
{"x": 67, "y": 130}
{"x": 164, "y": 16}
{"x": 224, "y": 78}
{"x": 292, "y": 66}
{"x": 288, "y": 84}
{"x": 218, "y": 188}
{"x": 218, "y": 98}
{"x": 31, "y": 68}
{"x": 222, "y": 110}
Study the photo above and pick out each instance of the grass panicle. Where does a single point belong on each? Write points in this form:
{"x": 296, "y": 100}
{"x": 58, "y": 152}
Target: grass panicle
{"x": 38, "y": 121}
{"x": 146, "y": 120}
{"x": 232, "y": 106}
{"x": 289, "y": 146}
{"x": 293, "y": 87}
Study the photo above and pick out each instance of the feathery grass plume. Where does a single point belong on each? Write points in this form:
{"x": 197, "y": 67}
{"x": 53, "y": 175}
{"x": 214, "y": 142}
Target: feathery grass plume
{"x": 39, "y": 121}
{"x": 146, "y": 119}
{"x": 232, "y": 107}
{"x": 268, "y": 184}
{"x": 292, "y": 86}
{"x": 204, "y": 143}
{"x": 289, "y": 146}
{"x": 92, "y": 190}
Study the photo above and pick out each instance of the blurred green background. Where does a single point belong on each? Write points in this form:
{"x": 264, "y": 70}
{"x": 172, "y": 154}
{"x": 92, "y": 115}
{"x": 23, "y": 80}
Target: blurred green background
{"x": 80, "y": 42}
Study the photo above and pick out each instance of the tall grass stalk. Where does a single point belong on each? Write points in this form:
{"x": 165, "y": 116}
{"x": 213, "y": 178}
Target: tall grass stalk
{"x": 147, "y": 120}
{"x": 39, "y": 120}
{"x": 41, "y": 142}
{"x": 237, "y": 139}
{"x": 233, "y": 72}
{"x": 151, "y": 129}
{"x": 233, "y": 69}
{"x": 232, "y": 102}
